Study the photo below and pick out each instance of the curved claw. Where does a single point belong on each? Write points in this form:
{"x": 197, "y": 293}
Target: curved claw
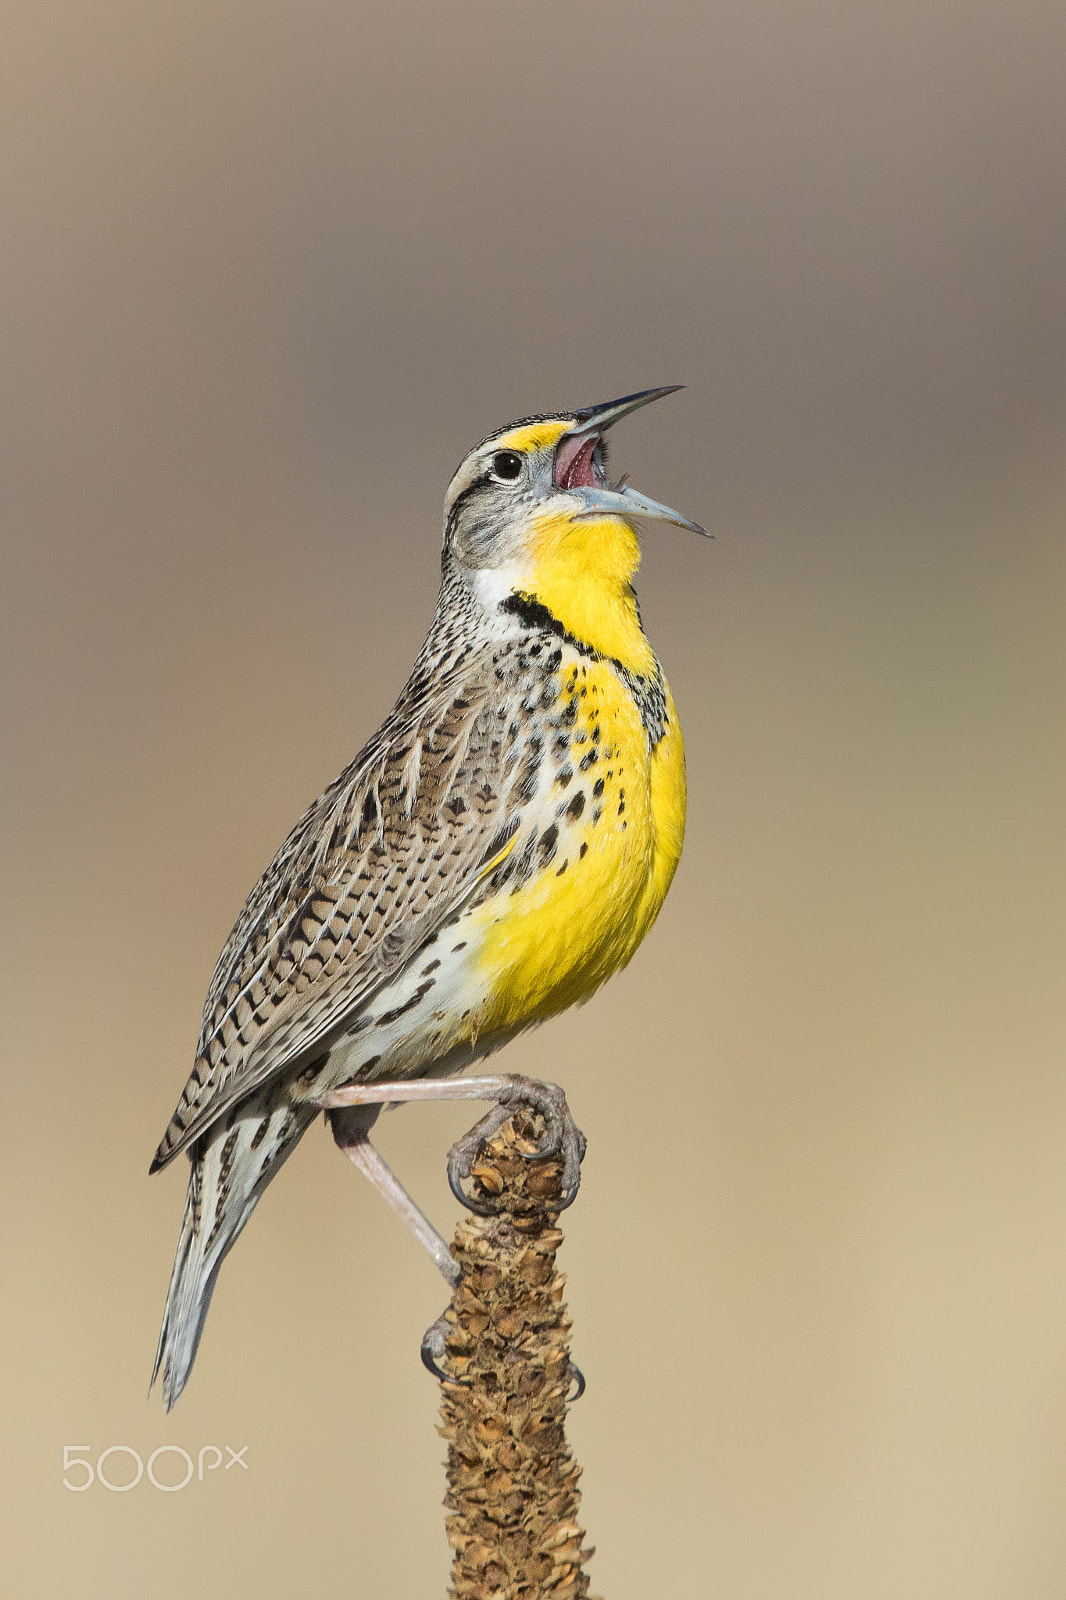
{"x": 543, "y": 1152}
{"x": 432, "y": 1349}
{"x": 573, "y": 1153}
{"x": 562, "y": 1136}
{"x": 430, "y": 1364}
{"x": 578, "y": 1377}
{"x": 480, "y": 1208}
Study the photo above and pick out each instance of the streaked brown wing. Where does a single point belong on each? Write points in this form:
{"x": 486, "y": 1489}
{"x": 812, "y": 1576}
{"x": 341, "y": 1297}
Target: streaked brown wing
{"x": 388, "y": 853}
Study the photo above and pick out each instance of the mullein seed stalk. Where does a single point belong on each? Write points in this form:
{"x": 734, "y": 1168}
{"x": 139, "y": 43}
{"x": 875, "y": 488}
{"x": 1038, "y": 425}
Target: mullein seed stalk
{"x": 512, "y": 1498}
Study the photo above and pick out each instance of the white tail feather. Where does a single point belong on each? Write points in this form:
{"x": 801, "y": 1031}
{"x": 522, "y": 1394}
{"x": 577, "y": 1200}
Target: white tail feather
{"x": 231, "y": 1166}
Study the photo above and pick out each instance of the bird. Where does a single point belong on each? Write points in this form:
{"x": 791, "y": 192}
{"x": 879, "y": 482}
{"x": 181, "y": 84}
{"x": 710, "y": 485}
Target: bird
{"x": 495, "y": 852}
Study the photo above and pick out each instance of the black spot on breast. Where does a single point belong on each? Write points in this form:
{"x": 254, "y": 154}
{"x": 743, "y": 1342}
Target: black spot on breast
{"x": 576, "y": 806}
{"x": 527, "y": 781}
{"x": 548, "y": 842}
{"x": 565, "y": 774}
{"x": 583, "y": 851}
{"x": 430, "y": 967}
{"x": 391, "y": 1016}
{"x": 306, "y": 1077}
{"x": 590, "y": 760}
{"x": 597, "y": 788}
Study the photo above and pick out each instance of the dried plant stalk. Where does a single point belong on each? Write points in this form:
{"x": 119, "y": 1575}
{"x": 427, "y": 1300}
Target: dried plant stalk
{"x": 512, "y": 1483}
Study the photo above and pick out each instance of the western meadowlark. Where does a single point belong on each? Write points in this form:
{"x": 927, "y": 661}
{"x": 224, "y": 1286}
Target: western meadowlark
{"x": 499, "y": 848}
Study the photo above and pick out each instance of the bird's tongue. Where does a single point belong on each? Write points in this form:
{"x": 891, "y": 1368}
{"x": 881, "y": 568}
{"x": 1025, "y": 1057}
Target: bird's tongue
{"x": 573, "y": 462}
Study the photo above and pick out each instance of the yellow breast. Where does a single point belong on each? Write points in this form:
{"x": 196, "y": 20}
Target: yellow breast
{"x": 620, "y": 829}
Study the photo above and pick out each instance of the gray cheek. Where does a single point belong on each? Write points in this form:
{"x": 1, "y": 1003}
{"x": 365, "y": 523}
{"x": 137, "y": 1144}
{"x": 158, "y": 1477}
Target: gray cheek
{"x": 492, "y": 529}
{"x": 477, "y": 541}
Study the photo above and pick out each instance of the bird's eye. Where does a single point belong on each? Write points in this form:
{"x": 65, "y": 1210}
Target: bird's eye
{"x": 506, "y": 465}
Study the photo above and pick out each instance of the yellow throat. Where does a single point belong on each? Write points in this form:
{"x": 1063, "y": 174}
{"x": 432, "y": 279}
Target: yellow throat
{"x": 557, "y": 939}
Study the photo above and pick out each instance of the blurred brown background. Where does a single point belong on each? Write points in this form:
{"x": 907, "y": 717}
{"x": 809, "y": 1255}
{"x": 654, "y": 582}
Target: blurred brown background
{"x": 269, "y": 270}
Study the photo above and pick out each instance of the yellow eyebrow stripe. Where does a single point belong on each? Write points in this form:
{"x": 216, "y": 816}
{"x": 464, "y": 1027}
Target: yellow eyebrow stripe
{"x": 534, "y": 436}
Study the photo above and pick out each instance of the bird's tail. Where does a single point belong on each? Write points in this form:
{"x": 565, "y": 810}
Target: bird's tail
{"x": 231, "y": 1166}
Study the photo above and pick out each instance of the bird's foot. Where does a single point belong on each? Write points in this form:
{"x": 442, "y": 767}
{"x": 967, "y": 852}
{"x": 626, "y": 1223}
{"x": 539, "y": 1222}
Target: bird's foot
{"x": 433, "y": 1349}
{"x": 562, "y": 1139}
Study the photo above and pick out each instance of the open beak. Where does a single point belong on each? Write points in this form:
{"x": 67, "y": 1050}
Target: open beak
{"x": 579, "y": 471}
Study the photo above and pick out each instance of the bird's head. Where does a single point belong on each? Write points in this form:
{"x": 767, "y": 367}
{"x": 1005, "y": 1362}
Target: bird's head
{"x": 531, "y": 512}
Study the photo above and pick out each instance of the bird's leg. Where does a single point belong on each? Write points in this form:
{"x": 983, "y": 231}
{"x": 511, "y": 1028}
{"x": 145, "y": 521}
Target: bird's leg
{"x": 352, "y": 1136}
{"x": 562, "y": 1138}
{"x": 353, "y": 1109}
